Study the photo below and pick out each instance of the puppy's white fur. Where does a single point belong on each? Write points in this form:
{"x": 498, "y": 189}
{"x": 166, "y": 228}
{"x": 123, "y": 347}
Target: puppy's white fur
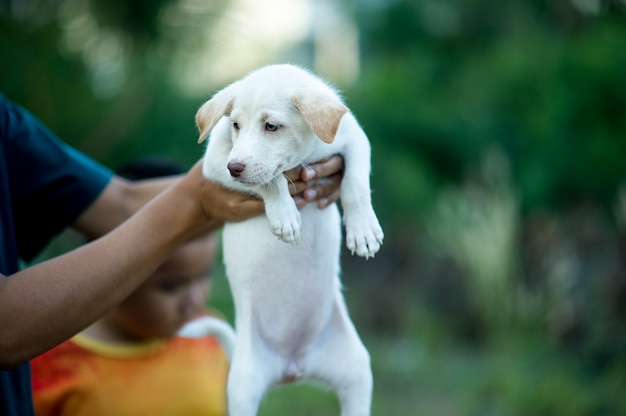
{"x": 291, "y": 319}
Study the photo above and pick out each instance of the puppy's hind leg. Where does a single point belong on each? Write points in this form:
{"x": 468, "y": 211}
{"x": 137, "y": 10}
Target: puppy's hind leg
{"x": 342, "y": 362}
{"x": 249, "y": 377}
{"x": 354, "y": 388}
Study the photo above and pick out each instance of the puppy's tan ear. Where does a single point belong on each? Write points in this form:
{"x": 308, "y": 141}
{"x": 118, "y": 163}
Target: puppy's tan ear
{"x": 221, "y": 104}
{"x": 322, "y": 114}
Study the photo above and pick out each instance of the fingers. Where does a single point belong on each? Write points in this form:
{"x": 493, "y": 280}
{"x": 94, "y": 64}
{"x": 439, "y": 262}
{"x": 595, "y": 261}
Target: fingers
{"x": 325, "y": 192}
{"x": 323, "y": 169}
{"x": 242, "y": 206}
{"x": 319, "y": 182}
{"x": 225, "y": 205}
{"x": 239, "y": 206}
{"x": 294, "y": 175}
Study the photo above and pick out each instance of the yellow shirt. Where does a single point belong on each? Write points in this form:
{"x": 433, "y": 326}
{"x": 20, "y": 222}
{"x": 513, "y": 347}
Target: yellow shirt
{"x": 181, "y": 376}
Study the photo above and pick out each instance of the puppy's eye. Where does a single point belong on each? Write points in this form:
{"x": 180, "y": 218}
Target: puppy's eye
{"x": 235, "y": 125}
{"x": 271, "y": 127}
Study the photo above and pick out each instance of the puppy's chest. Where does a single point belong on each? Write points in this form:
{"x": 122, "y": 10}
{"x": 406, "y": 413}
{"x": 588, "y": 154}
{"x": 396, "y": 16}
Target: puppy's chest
{"x": 254, "y": 240}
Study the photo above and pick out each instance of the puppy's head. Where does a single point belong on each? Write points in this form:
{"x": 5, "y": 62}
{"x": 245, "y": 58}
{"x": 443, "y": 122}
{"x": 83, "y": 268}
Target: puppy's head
{"x": 278, "y": 114}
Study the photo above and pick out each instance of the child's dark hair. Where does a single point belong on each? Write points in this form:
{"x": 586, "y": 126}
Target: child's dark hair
{"x": 149, "y": 167}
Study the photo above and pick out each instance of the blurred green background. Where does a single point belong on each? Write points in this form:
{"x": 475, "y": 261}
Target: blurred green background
{"x": 499, "y": 170}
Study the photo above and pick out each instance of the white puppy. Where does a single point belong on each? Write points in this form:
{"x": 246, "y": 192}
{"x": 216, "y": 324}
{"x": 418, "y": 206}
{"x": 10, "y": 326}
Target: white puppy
{"x": 291, "y": 320}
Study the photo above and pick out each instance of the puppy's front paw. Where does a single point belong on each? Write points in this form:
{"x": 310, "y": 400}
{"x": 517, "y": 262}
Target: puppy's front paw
{"x": 364, "y": 235}
{"x": 284, "y": 222}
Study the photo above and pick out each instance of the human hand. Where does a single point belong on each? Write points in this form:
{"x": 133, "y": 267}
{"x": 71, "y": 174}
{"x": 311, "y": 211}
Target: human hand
{"x": 222, "y": 204}
{"x": 319, "y": 182}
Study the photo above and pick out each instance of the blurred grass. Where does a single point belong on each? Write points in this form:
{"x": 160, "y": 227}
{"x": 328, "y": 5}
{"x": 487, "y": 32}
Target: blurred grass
{"x": 299, "y": 399}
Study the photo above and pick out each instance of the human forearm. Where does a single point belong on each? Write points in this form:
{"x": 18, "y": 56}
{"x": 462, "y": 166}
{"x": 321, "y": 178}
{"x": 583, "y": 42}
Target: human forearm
{"x": 119, "y": 200}
{"x": 43, "y": 305}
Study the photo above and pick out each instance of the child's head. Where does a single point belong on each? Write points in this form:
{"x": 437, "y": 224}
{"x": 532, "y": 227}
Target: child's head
{"x": 178, "y": 290}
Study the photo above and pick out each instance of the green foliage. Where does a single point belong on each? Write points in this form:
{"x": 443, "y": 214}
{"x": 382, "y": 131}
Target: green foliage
{"x": 543, "y": 85}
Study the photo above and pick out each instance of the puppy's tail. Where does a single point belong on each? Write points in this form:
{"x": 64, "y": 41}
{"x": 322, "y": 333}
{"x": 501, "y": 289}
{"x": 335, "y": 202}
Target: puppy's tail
{"x": 211, "y": 326}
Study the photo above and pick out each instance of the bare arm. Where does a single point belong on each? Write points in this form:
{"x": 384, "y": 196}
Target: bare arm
{"x": 118, "y": 201}
{"x": 46, "y": 304}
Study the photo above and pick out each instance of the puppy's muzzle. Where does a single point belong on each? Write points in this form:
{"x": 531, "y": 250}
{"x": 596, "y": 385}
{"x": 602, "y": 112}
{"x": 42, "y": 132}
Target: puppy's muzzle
{"x": 235, "y": 168}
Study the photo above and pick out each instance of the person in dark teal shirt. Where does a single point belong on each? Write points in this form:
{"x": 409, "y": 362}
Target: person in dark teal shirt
{"x": 54, "y": 185}
{"x": 46, "y": 186}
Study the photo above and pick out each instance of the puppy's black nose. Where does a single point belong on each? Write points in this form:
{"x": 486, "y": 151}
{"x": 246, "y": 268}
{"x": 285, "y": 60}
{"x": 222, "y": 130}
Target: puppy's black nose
{"x": 235, "y": 168}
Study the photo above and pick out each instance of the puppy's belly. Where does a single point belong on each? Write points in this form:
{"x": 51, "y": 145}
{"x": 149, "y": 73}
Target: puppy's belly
{"x": 285, "y": 291}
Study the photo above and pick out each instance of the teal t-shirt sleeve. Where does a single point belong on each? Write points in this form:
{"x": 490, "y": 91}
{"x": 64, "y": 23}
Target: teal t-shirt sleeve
{"x": 51, "y": 183}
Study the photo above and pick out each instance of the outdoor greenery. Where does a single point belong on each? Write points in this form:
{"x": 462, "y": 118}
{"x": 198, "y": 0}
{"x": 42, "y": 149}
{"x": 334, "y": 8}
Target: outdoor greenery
{"x": 499, "y": 173}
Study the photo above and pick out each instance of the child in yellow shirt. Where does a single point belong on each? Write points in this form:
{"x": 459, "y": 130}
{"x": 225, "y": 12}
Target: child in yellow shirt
{"x": 132, "y": 362}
